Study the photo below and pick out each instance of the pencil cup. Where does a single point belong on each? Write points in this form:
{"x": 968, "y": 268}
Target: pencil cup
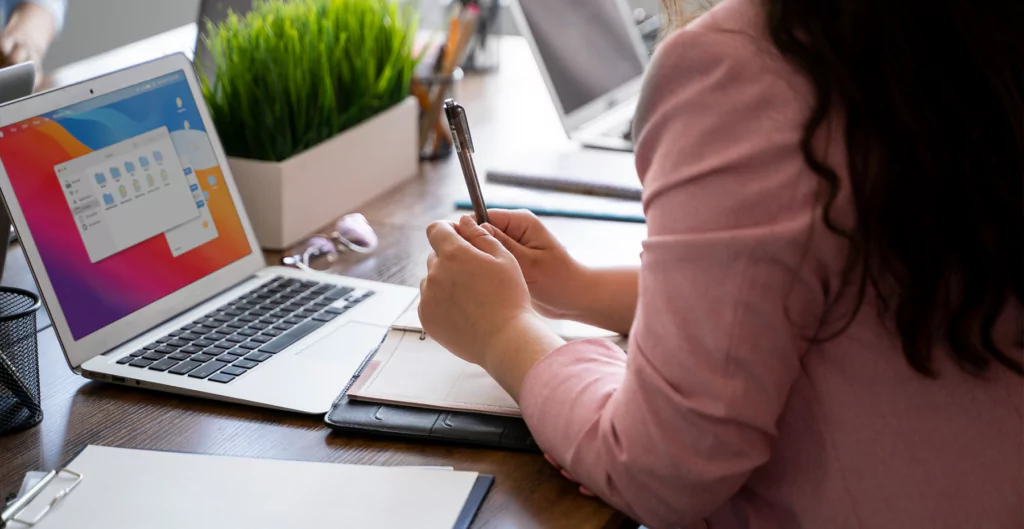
{"x": 20, "y": 404}
{"x": 431, "y": 91}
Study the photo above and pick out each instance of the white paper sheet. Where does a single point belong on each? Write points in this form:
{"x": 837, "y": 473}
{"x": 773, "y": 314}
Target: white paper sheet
{"x": 129, "y": 489}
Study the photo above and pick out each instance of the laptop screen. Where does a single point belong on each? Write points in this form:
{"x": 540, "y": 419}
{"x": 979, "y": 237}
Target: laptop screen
{"x": 586, "y": 45}
{"x": 124, "y": 199}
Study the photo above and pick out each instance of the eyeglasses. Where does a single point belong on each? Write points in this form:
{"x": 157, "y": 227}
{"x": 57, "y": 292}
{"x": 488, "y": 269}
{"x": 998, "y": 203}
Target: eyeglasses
{"x": 351, "y": 233}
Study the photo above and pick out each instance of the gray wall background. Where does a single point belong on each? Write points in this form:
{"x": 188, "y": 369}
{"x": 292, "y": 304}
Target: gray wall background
{"x": 95, "y": 26}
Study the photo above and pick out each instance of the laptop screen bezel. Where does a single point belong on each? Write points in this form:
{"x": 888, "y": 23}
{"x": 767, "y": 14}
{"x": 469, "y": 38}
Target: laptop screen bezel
{"x": 624, "y": 93}
{"x": 118, "y": 332}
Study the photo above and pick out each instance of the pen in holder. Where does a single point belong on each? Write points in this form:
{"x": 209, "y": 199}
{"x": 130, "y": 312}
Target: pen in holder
{"x": 435, "y": 139}
{"x": 20, "y": 404}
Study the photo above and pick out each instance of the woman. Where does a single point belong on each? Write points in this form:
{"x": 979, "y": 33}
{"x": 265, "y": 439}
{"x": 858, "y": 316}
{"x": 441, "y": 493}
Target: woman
{"x": 826, "y": 327}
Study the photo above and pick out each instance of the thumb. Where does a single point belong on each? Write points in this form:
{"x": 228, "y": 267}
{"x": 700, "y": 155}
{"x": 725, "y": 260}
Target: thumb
{"x": 479, "y": 237}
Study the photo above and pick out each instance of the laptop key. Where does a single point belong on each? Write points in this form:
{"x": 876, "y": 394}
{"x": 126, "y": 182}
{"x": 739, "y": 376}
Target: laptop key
{"x": 192, "y": 349}
{"x": 258, "y": 357}
{"x": 281, "y": 342}
{"x": 236, "y": 338}
{"x": 335, "y": 310}
{"x": 260, "y": 338}
{"x": 184, "y": 367}
{"x": 250, "y": 345}
{"x": 337, "y": 293}
{"x": 126, "y": 359}
{"x": 190, "y": 336}
{"x": 177, "y": 343}
{"x": 202, "y": 358}
{"x": 165, "y": 349}
{"x": 153, "y": 356}
{"x": 226, "y": 358}
{"x": 215, "y": 351}
{"x": 215, "y": 337}
{"x": 203, "y": 343}
{"x": 238, "y": 351}
{"x": 244, "y": 364}
{"x": 325, "y": 317}
{"x": 235, "y": 325}
{"x": 258, "y": 326}
{"x": 164, "y": 365}
{"x": 152, "y": 346}
{"x": 139, "y": 353}
{"x": 141, "y": 362}
{"x": 294, "y": 320}
{"x": 234, "y": 313}
{"x": 248, "y": 318}
{"x": 246, "y": 332}
{"x": 283, "y": 327}
{"x": 180, "y": 356}
{"x": 207, "y": 370}
{"x": 164, "y": 339}
{"x": 222, "y": 378}
{"x": 273, "y": 333}
{"x": 233, "y": 371}
{"x": 305, "y": 313}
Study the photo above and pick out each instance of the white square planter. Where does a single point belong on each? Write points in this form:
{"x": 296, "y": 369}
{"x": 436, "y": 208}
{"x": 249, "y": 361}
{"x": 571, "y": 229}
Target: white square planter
{"x": 289, "y": 200}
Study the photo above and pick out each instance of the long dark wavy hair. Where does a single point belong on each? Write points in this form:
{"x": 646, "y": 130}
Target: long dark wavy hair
{"x": 931, "y": 95}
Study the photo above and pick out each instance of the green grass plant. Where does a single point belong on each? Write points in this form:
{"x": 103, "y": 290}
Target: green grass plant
{"x": 290, "y": 74}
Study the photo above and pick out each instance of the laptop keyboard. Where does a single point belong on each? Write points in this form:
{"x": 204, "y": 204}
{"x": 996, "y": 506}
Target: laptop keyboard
{"x": 247, "y": 332}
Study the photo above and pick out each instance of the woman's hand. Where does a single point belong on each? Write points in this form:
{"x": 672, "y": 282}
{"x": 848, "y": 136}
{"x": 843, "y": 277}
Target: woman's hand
{"x": 551, "y": 273}
{"x": 475, "y": 302}
{"x": 28, "y": 35}
{"x": 561, "y": 287}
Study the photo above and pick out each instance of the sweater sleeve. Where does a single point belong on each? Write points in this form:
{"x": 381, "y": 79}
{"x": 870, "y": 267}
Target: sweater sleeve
{"x": 729, "y": 295}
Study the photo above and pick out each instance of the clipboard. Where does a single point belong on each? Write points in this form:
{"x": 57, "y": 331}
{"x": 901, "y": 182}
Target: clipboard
{"x": 14, "y": 514}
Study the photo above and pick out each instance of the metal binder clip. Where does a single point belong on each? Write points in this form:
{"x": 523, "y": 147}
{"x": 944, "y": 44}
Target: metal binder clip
{"x": 13, "y": 512}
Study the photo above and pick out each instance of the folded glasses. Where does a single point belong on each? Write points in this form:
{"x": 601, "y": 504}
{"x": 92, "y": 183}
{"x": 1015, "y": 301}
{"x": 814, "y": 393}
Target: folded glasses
{"x": 351, "y": 233}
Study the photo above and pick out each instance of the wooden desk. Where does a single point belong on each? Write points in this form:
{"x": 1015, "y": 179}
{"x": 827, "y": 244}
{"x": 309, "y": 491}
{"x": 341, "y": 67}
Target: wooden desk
{"x": 527, "y": 491}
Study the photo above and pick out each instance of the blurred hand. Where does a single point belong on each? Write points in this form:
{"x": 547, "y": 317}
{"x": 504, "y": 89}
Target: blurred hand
{"x": 550, "y": 272}
{"x": 27, "y": 37}
{"x": 475, "y": 302}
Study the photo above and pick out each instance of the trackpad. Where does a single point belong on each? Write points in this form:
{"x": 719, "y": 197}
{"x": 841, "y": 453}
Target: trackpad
{"x": 347, "y": 347}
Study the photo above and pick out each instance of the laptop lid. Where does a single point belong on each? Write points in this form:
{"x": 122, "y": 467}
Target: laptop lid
{"x": 589, "y": 52}
{"x": 124, "y": 202}
{"x": 16, "y": 82}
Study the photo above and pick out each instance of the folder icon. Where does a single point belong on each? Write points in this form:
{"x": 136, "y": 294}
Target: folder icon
{"x": 108, "y": 199}
{"x": 143, "y": 161}
{"x": 101, "y": 178}
{"x": 158, "y": 156}
{"x": 129, "y": 167}
{"x": 115, "y": 172}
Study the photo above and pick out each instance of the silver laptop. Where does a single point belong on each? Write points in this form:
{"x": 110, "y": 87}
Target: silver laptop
{"x": 16, "y": 82}
{"x": 144, "y": 255}
{"x": 592, "y": 57}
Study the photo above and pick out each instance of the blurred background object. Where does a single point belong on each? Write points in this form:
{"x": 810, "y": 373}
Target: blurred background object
{"x": 90, "y": 29}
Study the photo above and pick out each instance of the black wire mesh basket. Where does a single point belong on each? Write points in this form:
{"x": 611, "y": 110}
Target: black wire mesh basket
{"x": 20, "y": 404}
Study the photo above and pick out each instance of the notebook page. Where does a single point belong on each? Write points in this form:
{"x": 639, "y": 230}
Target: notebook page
{"x": 131, "y": 489}
{"x": 413, "y": 372}
{"x": 569, "y": 330}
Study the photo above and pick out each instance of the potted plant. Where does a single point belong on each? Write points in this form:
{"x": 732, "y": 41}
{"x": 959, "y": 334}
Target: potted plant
{"x": 311, "y": 102}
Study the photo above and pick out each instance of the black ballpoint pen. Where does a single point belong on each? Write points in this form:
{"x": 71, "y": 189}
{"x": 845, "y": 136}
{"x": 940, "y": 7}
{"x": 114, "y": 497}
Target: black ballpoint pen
{"x": 463, "y": 143}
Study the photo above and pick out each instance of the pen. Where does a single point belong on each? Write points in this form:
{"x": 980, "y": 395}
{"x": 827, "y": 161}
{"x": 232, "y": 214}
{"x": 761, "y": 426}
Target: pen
{"x": 463, "y": 143}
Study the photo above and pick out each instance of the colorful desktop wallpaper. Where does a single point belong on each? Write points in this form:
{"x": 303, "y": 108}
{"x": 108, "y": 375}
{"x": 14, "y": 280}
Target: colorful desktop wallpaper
{"x": 94, "y": 295}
